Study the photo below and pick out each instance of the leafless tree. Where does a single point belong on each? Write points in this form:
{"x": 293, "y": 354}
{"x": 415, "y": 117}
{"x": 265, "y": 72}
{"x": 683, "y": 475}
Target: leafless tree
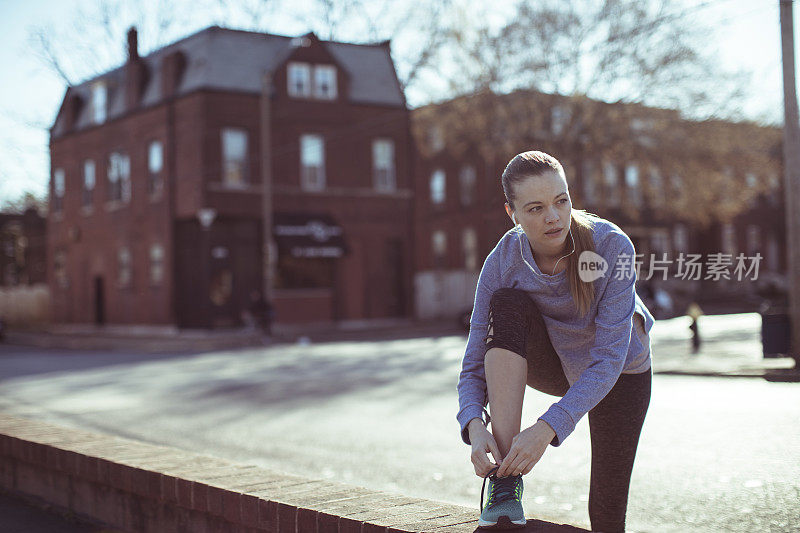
{"x": 596, "y": 79}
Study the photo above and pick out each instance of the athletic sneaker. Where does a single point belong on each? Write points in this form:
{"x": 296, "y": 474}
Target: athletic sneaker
{"x": 504, "y": 506}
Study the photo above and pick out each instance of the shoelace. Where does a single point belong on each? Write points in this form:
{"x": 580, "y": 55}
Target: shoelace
{"x": 504, "y": 487}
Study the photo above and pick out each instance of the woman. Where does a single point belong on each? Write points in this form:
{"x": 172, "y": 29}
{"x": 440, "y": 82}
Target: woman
{"x": 547, "y": 314}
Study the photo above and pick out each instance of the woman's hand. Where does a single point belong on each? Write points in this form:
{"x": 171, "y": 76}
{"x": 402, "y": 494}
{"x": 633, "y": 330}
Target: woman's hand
{"x": 483, "y": 443}
{"x": 527, "y": 447}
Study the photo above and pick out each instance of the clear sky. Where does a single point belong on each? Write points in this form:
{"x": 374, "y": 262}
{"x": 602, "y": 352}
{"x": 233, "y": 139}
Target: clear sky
{"x": 746, "y": 36}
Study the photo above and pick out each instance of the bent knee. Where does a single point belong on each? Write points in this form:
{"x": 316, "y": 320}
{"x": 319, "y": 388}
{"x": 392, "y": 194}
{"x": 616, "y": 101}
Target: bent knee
{"x": 510, "y": 315}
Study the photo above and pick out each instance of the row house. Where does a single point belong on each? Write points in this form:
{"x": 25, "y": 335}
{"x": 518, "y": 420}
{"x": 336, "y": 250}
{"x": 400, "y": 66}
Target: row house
{"x": 22, "y": 248}
{"x": 156, "y": 194}
{"x": 459, "y": 214}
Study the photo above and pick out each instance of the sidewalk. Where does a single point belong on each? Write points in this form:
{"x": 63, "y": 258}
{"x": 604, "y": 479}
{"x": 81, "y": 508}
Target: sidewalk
{"x": 156, "y": 339}
{"x": 731, "y": 343}
{"x": 730, "y": 347}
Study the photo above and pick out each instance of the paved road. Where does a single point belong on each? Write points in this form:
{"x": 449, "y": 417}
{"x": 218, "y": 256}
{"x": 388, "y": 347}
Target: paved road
{"x": 717, "y": 454}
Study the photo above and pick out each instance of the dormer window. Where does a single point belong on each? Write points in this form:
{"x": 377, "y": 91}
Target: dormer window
{"x": 299, "y": 79}
{"x": 311, "y": 81}
{"x": 325, "y": 82}
{"x": 99, "y": 102}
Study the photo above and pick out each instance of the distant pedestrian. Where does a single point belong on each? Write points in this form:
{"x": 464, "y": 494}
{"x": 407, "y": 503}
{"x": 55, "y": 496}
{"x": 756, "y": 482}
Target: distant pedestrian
{"x": 694, "y": 312}
{"x": 578, "y": 333}
{"x": 262, "y": 312}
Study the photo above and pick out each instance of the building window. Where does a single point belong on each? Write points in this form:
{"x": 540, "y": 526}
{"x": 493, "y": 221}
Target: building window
{"x": 632, "y": 185}
{"x": 588, "y": 182}
{"x": 383, "y": 170}
{"x": 728, "y": 239}
{"x": 59, "y": 187}
{"x": 773, "y": 254}
{"x": 156, "y": 264}
{"x": 470, "y": 243}
{"x": 124, "y": 268}
{"x": 299, "y": 79}
{"x": 676, "y": 183}
{"x": 88, "y": 182}
{"x": 681, "y": 238}
{"x": 155, "y": 163}
{"x": 773, "y": 189}
{"x": 435, "y": 138}
{"x": 119, "y": 177}
{"x": 438, "y": 186}
{"x": 325, "y": 82}
{"x": 753, "y": 240}
{"x": 99, "y": 102}
{"x": 60, "y": 269}
{"x": 559, "y": 117}
{"x": 611, "y": 185}
{"x": 234, "y": 158}
{"x": 467, "y": 178}
{"x": 439, "y": 246}
{"x": 312, "y": 163}
{"x": 659, "y": 242}
{"x": 656, "y": 188}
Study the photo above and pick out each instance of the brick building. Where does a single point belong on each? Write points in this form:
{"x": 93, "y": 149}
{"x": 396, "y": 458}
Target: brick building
{"x": 156, "y": 186}
{"x": 459, "y": 214}
{"x": 22, "y": 248}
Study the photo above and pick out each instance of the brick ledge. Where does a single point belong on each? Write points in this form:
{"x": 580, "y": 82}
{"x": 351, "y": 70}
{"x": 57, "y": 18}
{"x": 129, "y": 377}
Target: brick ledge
{"x": 139, "y": 487}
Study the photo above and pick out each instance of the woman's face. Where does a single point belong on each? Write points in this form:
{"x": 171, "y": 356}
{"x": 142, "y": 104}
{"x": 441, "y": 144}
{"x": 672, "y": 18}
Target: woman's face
{"x": 542, "y": 204}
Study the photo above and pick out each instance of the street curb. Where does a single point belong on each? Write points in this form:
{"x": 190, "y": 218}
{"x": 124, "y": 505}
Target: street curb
{"x": 139, "y": 487}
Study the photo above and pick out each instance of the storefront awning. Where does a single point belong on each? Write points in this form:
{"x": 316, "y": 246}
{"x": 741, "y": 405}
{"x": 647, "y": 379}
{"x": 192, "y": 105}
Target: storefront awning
{"x": 308, "y": 235}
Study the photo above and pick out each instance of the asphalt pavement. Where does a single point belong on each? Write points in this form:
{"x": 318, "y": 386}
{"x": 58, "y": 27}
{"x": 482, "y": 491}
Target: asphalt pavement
{"x": 718, "y": 450}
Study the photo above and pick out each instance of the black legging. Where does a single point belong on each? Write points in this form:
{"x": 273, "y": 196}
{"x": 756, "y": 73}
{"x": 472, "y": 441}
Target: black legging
{"x": 516, "y": 324}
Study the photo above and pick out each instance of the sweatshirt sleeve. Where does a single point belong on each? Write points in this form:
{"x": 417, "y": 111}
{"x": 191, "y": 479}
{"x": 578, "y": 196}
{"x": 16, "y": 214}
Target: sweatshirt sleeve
{"x": 612, "y": 336}
{"x": 472, "y": 398}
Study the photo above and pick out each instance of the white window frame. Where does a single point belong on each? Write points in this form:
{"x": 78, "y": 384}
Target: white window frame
{"x": 323, "y": 74}
{"x": 632, "y": 185}
{"x": 469, "y": 241}
{"x": 312, "y": 162}
{"x": 59, "y": 188}
{"x": 468, "y": 180}
{"x": 611, "y": 184}
{"x": 439, "y": 247}
{"x": 156, "y": 264}
{"x": 89, "y": 183}
{"x": 383, "y": 165}
{"x": 753, "y": 240}
{"x": 119, "y": 177}
{"x": 124, "y": 267}
{"x": 438, "y": 187}
{"x": 99, "y": 102}
{"x": 155, "y": 165}
{"x": 680, "y": 238}
{"x": 728, "y": 239}
{"x": 303, "y": 71}
{"x": 234, "y": 164}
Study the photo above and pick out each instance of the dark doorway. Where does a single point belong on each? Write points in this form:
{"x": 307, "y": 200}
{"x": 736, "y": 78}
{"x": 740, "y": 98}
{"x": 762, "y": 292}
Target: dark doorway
{"x": 395, "y": 296}
{"x": 99, "y": 301}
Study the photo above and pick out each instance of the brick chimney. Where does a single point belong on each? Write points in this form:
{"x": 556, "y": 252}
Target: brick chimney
{"x": 133, "y": 44}
{"x": 135, "y": 72}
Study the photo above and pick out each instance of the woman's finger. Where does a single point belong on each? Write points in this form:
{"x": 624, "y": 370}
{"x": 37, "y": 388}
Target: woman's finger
{"x": 507, "y": 462}
{"x": 515, "y": 467}
{"x": 495, "y": 451}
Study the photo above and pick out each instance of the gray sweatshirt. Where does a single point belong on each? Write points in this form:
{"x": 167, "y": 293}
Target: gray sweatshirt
{"x": 594, "y": 349}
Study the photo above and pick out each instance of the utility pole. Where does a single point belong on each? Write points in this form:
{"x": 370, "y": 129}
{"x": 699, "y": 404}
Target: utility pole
{"x": 791, "y": 173}
{"x": 266, "y": 185}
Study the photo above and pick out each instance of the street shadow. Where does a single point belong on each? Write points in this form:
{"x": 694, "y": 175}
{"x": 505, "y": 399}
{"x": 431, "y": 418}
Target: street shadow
{"x": 782, "y": 375}
{"x": 542, "y": 526}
